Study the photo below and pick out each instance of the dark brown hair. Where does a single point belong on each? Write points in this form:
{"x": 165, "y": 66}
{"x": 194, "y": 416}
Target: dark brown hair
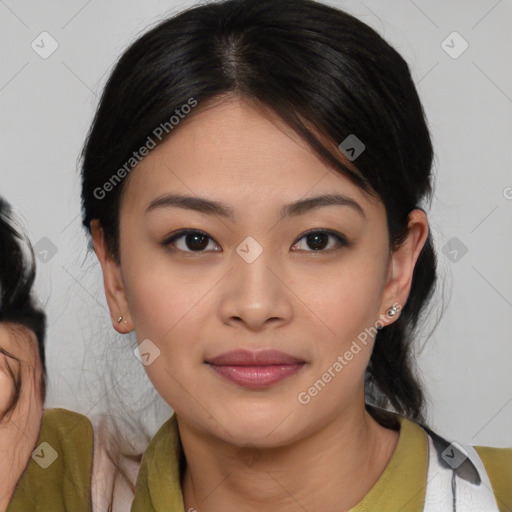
{"x": 18, "y": 309}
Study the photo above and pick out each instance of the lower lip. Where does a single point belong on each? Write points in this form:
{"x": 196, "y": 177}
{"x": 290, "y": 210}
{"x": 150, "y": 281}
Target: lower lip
{"x": 257, "y": 376}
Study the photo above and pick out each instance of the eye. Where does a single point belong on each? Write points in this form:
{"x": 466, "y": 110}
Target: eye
{"x": 192, "y": 240}
{"x": 188, "y": 240}
{"x": 318, "y": 240}
{"x": 10, "y": 364}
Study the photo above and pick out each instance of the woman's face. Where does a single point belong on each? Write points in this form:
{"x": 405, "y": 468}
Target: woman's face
{"x": 254, "y": 281}
{"x": 20, "y": 362}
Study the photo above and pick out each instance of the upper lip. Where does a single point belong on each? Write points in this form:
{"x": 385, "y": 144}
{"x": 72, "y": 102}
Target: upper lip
{"x": 242, "y": 357}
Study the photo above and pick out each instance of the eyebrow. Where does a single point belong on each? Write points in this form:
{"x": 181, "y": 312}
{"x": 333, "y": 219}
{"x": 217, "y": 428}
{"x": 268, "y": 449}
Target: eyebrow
{"x": 210, "y": 207}
{"x": 8, "y": 354}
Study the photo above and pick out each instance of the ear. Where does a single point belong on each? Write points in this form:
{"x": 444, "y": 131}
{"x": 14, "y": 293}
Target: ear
{"x": 112, "y": 281}
{"x": 401, "y": 266}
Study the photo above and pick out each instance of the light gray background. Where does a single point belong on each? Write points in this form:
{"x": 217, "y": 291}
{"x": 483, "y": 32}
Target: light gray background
{"x": 47, "y": 106}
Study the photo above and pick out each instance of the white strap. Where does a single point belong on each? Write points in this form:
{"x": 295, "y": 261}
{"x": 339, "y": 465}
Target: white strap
{"x": 447, "y": 492}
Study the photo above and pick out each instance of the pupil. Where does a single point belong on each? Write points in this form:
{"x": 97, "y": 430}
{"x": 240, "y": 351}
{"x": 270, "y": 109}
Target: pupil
{"x": 194, "y": 237}
{"x": 314, "y": 237}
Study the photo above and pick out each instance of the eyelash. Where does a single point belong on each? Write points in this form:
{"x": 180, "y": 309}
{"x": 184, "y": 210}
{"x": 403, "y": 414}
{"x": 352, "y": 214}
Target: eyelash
{"x": 342, "y": 241}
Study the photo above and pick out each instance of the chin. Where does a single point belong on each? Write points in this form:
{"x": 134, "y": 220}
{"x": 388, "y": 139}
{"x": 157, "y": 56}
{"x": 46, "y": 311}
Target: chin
{"x": 265, "y": 425}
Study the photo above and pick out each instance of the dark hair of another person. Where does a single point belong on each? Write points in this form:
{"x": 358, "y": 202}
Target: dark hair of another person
{"x": 322, "y": 71}
{"x": 17, "y": 304}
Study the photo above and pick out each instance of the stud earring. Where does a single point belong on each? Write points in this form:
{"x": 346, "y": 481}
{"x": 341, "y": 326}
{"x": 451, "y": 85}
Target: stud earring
{"x": 392, "y": 310}
{"x": 120, "y": 319}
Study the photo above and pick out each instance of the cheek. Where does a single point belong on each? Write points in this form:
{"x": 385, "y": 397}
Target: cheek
{"x": 165, "y": 310}
{"x": 347, "y": 300}
{"x": 169, "y": 306}
{"x": 348, "y": 308}
{"x": 164, "y": 303}
{"x": 346, "y": 297}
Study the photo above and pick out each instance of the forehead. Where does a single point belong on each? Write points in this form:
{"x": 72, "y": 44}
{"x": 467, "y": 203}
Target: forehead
{"x": 241, "y": 153}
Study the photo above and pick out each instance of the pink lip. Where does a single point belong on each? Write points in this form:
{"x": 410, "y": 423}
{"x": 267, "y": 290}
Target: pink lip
{"x": 255, "y": 369}
{"x": 265, "y": 357}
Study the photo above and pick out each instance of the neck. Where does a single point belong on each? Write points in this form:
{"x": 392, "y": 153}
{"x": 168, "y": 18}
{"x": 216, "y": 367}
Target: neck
{"x": 344, "y": 460}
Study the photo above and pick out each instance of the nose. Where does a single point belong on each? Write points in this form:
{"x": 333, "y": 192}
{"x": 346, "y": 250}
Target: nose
{"x": 255, "y": 293}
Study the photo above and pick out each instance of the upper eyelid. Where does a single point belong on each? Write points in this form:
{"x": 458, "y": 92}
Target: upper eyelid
{"x": 183, "y": 232}
{"x": 9, "y": 355}
{"x": 9, "y": 360}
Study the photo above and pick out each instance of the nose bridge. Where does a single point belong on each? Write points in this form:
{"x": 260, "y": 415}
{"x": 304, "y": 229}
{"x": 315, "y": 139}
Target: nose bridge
{"x": 255, "y": 293}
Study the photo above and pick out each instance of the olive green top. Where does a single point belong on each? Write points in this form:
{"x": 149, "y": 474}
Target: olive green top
{"x": 401, "y": 487}
{"x": 58, "y": 476}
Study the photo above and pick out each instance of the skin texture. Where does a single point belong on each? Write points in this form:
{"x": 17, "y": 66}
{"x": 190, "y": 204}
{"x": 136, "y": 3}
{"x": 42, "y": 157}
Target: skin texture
{"x": 309, "y": 303}
{"x": 19, "y": 429}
